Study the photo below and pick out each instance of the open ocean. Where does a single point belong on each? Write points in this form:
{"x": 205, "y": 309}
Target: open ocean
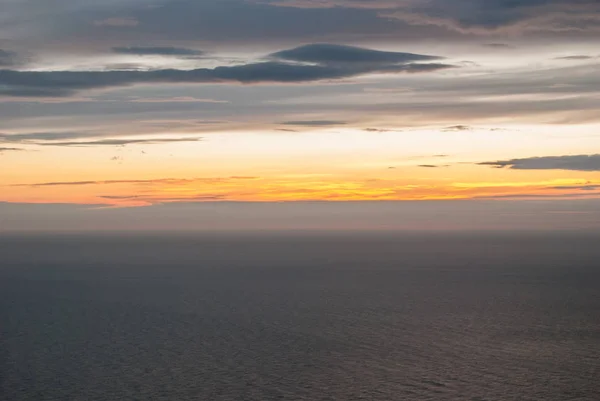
{"x": 300, "y": 316}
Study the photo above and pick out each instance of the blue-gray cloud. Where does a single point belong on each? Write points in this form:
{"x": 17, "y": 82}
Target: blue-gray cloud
{"x": 576, "y": 57}
{"x": 77, "y": 138}
{"x": 64, "y": 83}
{"x": 158, "y": 51}
{"x": 315, "y": 123}
{"x": 33, "y": 137}
{"x": 10, "y": 59}
{"x": 10, "y": 150}
{"x": 476, "y": 16}
{"x": 575, "y": 163}
{"x": 118, "y": 142}
{"x": 588, "y": 187}
{"x": 322, "y": 53}
{"x": 497, "y": 45}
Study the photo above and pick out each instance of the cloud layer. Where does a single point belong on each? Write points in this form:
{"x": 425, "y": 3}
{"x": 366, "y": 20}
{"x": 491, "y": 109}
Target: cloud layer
{"x": 158, "y": 51}
{"x": 576, "y": 163}
{"x": 335, "y": 63}
{"x": 475, "y": 16}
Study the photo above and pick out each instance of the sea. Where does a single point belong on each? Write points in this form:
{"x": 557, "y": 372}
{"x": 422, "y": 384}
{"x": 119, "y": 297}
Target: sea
{"x": 300, "y": 316}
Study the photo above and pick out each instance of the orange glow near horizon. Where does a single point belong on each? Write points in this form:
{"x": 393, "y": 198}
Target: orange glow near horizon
{"x": 342, "y": 165}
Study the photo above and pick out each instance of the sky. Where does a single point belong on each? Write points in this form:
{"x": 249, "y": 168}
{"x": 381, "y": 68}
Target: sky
{"x": 317, "y": 114}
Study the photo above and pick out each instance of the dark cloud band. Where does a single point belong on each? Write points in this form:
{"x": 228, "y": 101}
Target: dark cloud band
{"x": 575, "y": 163}
{"x": 64, "y": 83}
{"x": 158, "y": 51}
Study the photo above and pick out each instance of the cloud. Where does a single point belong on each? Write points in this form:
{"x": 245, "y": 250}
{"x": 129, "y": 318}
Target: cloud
{"x": 75, "y": 138}
{"x": 34, "y": 137}
{"x": 9, "y": 59}
{"x": 158, "y": 51}
{"x": 381, "y": 130}
{"x": 574, "y": 163}
{"x": 432, "y": 165}
{"x": 118, "y": 142}
{"x": 171, "y": 181}
{"x": 526, "y": 197}
{"x": 11, "y": 150}
{"x": 576, "y": 57}
{"x": 119, "y": 197}
{"x": 315, "y": 123}
{"x": 179, "y": 99}
{"x": 589, "y": 187}
{"x": 322, "y": 53}
{"x": 108, "y": 182}
{"x": 477, "y": 16}
{"x": 64, "y": 83}
{"x": 125, "y": 66}
{"x": 118, "y": 22}
{"x": 457, "y": 128}
{"x": 497, "y": 45}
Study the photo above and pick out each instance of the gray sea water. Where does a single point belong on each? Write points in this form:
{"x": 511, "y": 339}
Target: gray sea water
{"x": 305, "y": 316}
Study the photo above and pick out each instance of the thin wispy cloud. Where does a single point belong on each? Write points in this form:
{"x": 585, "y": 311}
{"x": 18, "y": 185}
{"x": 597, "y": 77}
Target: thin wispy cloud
{"x": 575, "y": 57}
{"x": 458, "y": 128}
{"x": 314, "y": 123}
{"x": 170, "y": 181}
{"x": 9, "y": 59}
{"x": 498, "y": 45}
{"x": 3, "y": 149}
{"x": 575, "y": 163}
{"x": 77, "y": 138}
{"x": 118, "y": 142}
{"x": 158, "y": 51}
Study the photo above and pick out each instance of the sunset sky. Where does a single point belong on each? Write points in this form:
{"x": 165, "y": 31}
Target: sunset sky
{"x": 141, "y": 109}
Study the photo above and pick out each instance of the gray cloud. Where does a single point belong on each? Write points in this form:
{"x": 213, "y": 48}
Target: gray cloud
{"x": 105, "y": 182}
{"x": 172, "y": 181}
{"x": 9, "y": 58}
{"x": 158, "y": 51}
{"x": 559, "y": 95}
{"x": 119, "y": 142}
{"x": 322, "y": 53}
{"x": 315, "y": 123}
{"x": 575, "y": 163}
{"x": 63, "y": 83}
{"x": 576, "y": 57}
{"x": 433, "y": 165}
{"x": 85, "y": 26}
{"x": 381, "y": 130}
{"x": 579, "y": 187}
{"x": 544, "y": 197}
{"x": 457, "y": 128}
{"x": 11, "y": 150}
{"x": 476, "y": 16}
{"x": 77, "y": 138}
{"x": 33, "y": 137}
{"x": 497, "y": 45}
